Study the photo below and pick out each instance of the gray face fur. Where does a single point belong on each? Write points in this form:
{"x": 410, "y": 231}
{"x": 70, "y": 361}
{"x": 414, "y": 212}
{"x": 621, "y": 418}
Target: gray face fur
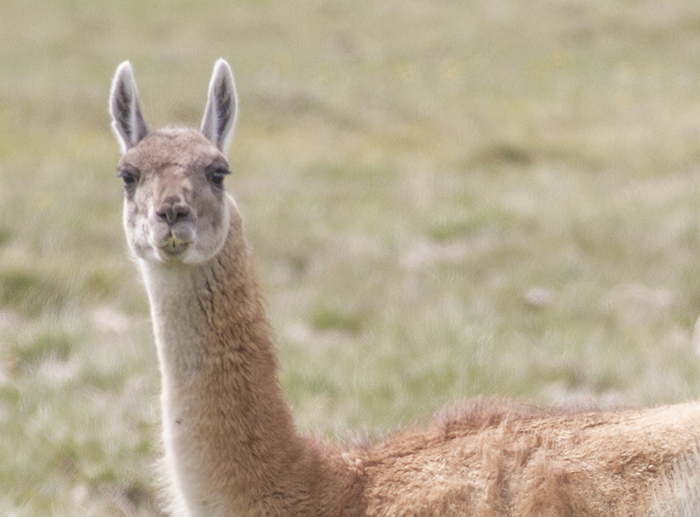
{"x": 175, "y": 206}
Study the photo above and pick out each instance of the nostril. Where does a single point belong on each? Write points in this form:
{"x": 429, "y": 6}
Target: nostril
{"x": 172, "y": 214}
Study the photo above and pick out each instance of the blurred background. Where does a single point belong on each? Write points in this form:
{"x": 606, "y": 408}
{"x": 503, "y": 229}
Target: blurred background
{"x": 446, "y": 199}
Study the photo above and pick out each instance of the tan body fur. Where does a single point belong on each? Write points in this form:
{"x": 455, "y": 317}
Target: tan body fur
{"x": 231, "y": 445}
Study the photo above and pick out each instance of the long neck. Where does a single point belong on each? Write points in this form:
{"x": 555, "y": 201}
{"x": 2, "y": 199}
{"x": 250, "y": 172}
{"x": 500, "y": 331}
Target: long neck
{"x": 229, "y": 436}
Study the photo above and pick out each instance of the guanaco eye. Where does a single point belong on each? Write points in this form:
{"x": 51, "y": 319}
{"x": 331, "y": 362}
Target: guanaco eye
{"x": 218, "y": 175}
{"x": 130, "y": 177}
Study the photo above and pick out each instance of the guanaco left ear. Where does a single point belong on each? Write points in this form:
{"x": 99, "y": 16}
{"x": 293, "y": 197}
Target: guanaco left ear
{"x": 124, "y": 106}
{"x": 220, "y": 114}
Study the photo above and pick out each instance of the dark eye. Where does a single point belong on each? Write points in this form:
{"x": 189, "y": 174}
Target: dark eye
{"x": 218, "y": 175}
{"x": 130, "y": 177}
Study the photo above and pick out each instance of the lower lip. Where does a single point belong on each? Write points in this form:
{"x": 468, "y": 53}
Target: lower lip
{"x": 175, "y": 248}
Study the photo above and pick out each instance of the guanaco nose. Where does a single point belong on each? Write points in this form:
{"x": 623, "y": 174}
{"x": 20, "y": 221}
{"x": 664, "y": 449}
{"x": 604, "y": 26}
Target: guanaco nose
{"x": 173, "y": 211}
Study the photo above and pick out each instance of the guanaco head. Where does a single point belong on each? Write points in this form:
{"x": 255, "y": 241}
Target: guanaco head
{"x": 175, "y": 206}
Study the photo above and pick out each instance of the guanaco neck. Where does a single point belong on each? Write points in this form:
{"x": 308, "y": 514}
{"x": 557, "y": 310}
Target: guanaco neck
{"x": 229, "y": 435}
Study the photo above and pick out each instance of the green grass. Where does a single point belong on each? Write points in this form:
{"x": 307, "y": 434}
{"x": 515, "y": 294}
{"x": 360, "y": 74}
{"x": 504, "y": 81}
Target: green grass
{"x": 446, "y": 199}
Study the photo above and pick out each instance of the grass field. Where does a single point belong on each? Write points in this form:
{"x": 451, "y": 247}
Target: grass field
{"x": 446, "y": 199}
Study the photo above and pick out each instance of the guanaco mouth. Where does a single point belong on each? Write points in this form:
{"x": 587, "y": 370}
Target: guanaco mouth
{"x": 174, "y": 246}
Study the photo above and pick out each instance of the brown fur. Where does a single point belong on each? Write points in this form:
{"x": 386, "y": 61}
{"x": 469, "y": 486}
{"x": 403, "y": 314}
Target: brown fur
{"x": 507, "y": 460}
{"x": 231, "y": 444}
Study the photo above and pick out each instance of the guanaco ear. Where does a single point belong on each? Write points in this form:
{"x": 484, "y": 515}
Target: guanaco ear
{"x": 220, "y": 114}
{"x": 124, "y": 106}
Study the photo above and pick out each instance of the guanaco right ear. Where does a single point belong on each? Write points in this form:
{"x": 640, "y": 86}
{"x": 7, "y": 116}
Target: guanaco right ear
{"x": 124, "y": 106}
{"x": 220, "y": 114}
